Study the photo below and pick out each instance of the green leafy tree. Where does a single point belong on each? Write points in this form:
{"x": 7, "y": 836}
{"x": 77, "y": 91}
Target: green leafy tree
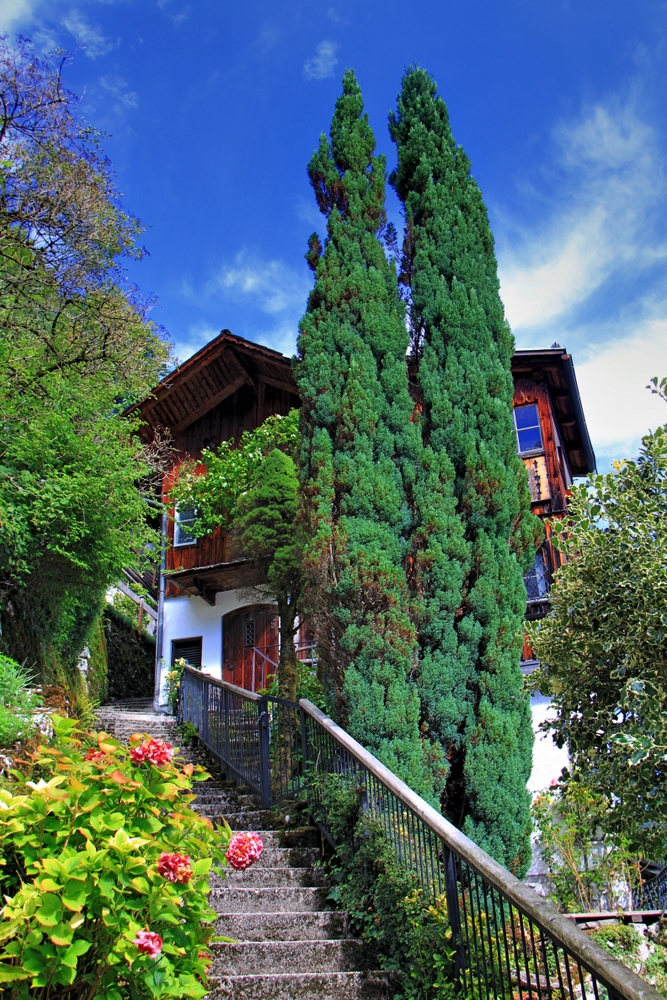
{"x": 229, "y": 472}
{"x": 604, "y": 646}
{"x": 76, "y": 346}
{"x": 269, "y": 534}
{"x": 250, "y": 487}
{"x": 473, "y": 530}
{"x": 359, "y": 443}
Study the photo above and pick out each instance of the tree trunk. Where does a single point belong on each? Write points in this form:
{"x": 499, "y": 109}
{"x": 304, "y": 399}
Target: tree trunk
{"x": 288, "y": 669}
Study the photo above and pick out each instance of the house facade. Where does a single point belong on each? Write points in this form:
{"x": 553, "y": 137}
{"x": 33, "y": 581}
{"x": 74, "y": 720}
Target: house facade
{"x": 207, "y": 611}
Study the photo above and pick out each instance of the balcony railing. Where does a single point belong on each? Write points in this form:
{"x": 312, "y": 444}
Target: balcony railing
{"x": 510, "y": 943}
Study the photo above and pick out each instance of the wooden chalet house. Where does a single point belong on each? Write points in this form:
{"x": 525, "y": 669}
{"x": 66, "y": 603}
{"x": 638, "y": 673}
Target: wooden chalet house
{"x": 553, "y": 441}
{"x": 206, "y": 610}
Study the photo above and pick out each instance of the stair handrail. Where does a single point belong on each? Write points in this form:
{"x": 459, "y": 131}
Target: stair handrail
{"x": 510, "y": 942}
{"x": 607, "y": 969}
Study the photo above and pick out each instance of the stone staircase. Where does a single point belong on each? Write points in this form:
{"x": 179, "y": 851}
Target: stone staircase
{"x": 288, "y": 942}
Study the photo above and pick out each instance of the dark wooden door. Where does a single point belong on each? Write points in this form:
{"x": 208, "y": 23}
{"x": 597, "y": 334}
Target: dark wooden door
{"x": 250, "y": 642}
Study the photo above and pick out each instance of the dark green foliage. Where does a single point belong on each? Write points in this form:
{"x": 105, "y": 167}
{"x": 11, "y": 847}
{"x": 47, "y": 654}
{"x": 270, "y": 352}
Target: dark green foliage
{"x": 252, "y": 485}
{"x": 131, "y": 657}
{"x": 385, "y": 902}
{"x": 473, "y": 532}
{"x": 358, "y": 442}
{"x": 76, "y": 346}
{"x": 97, "y": 677}
{"x": 604, "y": 646}
{"x": 269, "y": 533}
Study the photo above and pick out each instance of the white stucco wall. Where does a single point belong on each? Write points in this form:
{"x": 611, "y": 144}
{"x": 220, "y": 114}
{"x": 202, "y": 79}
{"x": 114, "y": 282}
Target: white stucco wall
{"x": 189, "y": 617}
{"x": 548, "y": 759}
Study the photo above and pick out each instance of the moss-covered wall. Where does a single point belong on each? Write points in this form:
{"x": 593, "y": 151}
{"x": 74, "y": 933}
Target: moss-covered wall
{"x": 131, "y": 657}
{"x": 97, "y": 677}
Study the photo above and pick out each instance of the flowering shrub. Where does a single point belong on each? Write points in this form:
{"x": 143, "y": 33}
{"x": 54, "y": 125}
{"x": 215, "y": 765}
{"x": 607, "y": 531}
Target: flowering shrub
{"x": 148, "y": 943}
{"x": 175, "y": 867}
{"x": 105, "y": 870}
{"x": 244, "y": 848}
{"x": 154, "y": 751}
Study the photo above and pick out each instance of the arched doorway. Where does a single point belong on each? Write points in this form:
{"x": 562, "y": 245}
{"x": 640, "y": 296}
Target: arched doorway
{"x": 251, "y": 646}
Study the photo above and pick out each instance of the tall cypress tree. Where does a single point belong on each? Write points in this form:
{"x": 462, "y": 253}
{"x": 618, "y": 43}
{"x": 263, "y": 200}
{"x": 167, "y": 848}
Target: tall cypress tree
{"x": 475, "y": 534}
{"x": 358, "y": 443}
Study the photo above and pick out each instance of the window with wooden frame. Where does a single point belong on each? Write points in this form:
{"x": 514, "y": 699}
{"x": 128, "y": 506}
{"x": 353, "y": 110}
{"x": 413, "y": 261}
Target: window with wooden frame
{"x": 183, "y": 521}
{"x": 528, "y": 430}
{"x": 538, "y": 577}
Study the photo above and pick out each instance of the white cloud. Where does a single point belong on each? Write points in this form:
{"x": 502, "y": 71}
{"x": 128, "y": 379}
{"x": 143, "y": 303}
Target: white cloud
{"x": 274, "y": 287}
{"x": 588, "y": 268}
{"x": 87, "y": 35}
{"x": 177, "y": 17}
{"x": 17, "y": 12}
{"x": 612, "y": 378}
{"x": 335, "y": 16}
{"x": 323, "y": 62}
{"x": 116, "y": 87}
{"x": 606, "y": 185}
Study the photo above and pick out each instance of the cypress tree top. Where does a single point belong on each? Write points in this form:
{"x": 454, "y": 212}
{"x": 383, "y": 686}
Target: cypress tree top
{"x": 358, "y": 436}
{"x": 470, "y": 579}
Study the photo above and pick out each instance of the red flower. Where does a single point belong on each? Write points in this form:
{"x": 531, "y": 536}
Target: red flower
{"x": 148, "y": 943}
{"x": 244, "y": 848}
{"x": 152, "y": 750}
{"x": 175, "y": 867}
{"x": 96, "y": 756}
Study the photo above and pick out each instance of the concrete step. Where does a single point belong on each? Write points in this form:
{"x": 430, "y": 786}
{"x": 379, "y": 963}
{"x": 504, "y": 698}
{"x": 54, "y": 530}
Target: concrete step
{"x": 287, "y": 857}
{"x": 298, "y": 926}
{"x": 211, "y": 795}
{"x": 268, "y": 899}
{"x": 303, "y": 837}
{"x": 254, "y": 819}
{"x": 276, "y": 957}
{"x": 306, "y": 986}
{"x": 257, "y": 877}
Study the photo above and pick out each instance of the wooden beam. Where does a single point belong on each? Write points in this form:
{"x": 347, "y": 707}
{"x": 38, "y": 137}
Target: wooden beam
{"x": 208, "y": 404}
{"x": 238, "y": 364}
{"x": 165, "y": 390}
{"x": 277, "y": 384}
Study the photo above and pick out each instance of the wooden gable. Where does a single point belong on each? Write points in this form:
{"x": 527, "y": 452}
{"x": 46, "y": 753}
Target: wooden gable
{"x": 231, "y": 385}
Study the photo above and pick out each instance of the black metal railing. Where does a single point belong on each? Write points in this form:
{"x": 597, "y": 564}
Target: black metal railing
{"x": 258, "y": 739}
{"x": 509, "y": 942}
{"x": 652, "y": 893}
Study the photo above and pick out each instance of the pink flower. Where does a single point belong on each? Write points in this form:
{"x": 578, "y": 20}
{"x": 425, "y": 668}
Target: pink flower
{"x": 96, "y": 756}
{"x": 152, "y": 750}
{"x": 175, "y": 867}
{"x": 148, "y": 943}
{"x": 244, "y": 848}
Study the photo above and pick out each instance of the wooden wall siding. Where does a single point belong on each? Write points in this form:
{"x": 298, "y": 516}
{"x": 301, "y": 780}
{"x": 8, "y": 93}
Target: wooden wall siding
{"x": 207, "y": 551}
{"x": 534, "y": 390}
{"x": 244, "y": 410}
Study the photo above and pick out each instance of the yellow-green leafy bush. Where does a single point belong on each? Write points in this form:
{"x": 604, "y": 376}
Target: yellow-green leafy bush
{"x": 105, "y": 870}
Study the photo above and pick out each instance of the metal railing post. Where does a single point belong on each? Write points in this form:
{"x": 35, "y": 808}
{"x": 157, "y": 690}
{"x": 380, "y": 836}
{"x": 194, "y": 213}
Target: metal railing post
{"x": 304, "y": 741}
{"x": 205, "y": 711}
{"x": 453, "y": 910}
{"x": 264, "y": 761}
{"x": 225, "y": 709}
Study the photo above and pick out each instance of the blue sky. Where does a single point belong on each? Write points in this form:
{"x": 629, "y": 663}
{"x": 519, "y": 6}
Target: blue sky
{"x": 213, "y": 109}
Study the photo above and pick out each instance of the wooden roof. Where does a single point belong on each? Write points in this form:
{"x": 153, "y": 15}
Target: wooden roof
{"x": 229, "y": 363}
{"x": 211, "y": 375}
{"x": 555, "y": 366}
